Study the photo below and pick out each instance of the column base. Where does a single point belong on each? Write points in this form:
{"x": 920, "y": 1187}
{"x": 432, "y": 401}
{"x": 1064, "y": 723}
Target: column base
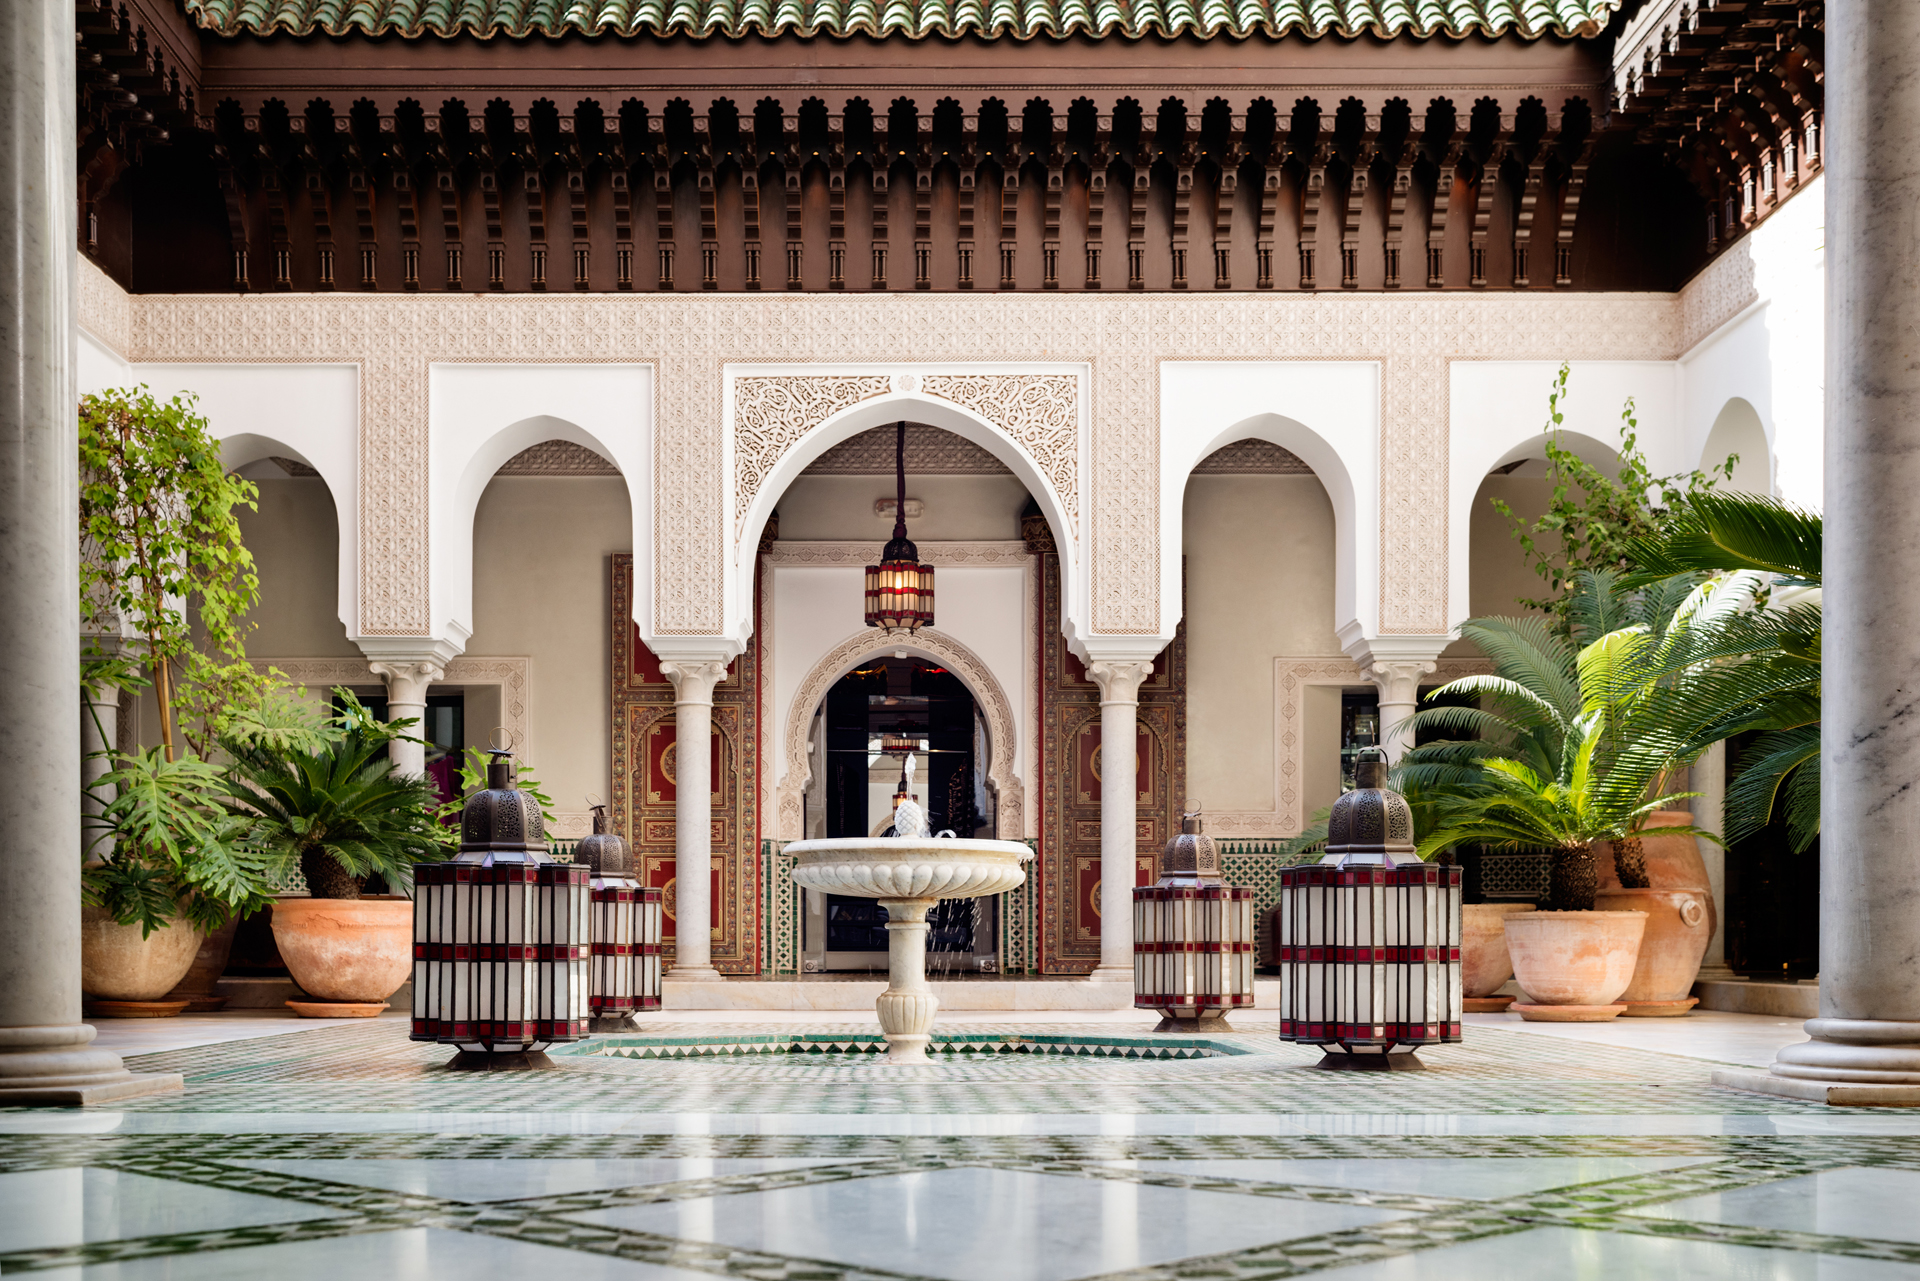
{"x": 1112, "y": 974}
{"x": 51, "y": 1067}
{"x": 694, "y": 974}
{"x": 1853, "y": 1062}
{"x": 1833, "y": 1093}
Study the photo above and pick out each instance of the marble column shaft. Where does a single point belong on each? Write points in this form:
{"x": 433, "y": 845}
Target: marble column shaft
{"x": 693, "y": 683}
{"x": 1119, "y": 684}
{"x": 43, "y": 1054}
{"x": 1398, "y": 681}
{"x": 1869, "y": 1030}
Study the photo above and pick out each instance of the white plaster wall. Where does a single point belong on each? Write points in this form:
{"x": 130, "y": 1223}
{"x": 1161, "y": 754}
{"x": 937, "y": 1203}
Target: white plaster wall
{"x": 100, "y": 366}
{"x": 543, "y": 543}
{"x": 1326, "y": 412}
{"x": 1260, "y": 585}
{"x": 1773, "y": 354}
{"x": 957, "y": 508}
{"x": 294, "y": 539}
{"x": 1497, "y": 412}
{"x": 479, "y": 416}
{"x": 815, "y": 608}
{"x": 307, "y": 412}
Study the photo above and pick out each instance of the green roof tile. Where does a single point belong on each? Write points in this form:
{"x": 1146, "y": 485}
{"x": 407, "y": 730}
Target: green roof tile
{"x": 913, "y": 19}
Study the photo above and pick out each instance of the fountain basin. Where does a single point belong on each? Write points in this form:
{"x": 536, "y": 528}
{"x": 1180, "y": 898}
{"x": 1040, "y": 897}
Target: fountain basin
{"x": 908, "y": 875}
{"x": 909, "y": 867}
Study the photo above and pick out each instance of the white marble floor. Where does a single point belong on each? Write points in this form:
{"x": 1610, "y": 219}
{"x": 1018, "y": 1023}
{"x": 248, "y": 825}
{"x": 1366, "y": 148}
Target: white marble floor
{"x": 308, "y": 1151}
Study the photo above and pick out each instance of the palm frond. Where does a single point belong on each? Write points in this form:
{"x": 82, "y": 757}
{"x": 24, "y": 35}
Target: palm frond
{"x": 1721, "y": 531}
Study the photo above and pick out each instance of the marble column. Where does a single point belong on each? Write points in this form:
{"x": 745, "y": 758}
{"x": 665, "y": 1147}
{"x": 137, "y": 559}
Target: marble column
{"x": 1398, "y": 681}
{"x": 407, "y": 682}
{"x": 1119, "y": 684}
{"x": 693, "y": 682}
{"x": 1866, "y": 1042}
{"x": 43, "y": 1044}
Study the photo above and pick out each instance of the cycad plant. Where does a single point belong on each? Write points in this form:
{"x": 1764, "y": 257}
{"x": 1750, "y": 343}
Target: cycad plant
{"x": 337, "y": 811}
{"x": 1751, "y": 664}
{"x": 1547, "y": 685}
{"x": 1513, "y": 805}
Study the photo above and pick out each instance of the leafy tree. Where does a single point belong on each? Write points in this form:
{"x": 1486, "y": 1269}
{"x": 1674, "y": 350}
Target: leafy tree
{"x": 1593, "y": 520}
{"x": 162, "y": 551}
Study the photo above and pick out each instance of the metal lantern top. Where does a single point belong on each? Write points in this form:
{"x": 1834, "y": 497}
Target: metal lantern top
{"x": 502, "y": 824}
{"x": 605, "y": 853}
{"x": 1191, "y": 856}
{"x": 1372, "y": 823}
{"x": 899, "y": 591}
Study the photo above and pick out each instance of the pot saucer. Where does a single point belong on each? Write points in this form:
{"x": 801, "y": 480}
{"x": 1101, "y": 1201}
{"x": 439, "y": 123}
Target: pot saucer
{"x": 1659, "y": 1009}
{"x": 1568, "y": 1013}
{"x": 1487, "y": 1004}
{"x": 134, "y": 1009}
{"x": 337, "y": 1009}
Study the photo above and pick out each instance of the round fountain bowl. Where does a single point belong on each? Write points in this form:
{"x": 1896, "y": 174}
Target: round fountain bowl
{"x": 911, "y": 867}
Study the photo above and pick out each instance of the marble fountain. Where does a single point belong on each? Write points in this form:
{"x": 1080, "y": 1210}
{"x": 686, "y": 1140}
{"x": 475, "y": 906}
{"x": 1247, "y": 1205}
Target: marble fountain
{"x": 908, "y": 874}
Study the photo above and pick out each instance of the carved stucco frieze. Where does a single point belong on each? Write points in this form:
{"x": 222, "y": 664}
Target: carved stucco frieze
{"x": 772, "y": 413}
{"x": 1040, "y": 411}
{"x": 394, "y": 339}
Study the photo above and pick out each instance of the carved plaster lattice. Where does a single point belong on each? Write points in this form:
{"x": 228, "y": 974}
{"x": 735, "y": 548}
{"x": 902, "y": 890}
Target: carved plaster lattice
{"x": 1291, "y": 677}
{"x": 988, "y": 695}
{"x": 930, "y": 452}
{"x": 1041, "y": 411}
{"x": 106, "y": 310}
{"x": 1252, "y": 457}
{"x": 771, "y": 414}
{"x": 557, "y": 458}
{"x": 689, "y": 338}
{"x": 1718, "y": 294}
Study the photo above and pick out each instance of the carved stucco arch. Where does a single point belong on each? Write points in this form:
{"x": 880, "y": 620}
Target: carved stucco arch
{"x": 1033, "y": 419}
{"x": 935, "y": 646}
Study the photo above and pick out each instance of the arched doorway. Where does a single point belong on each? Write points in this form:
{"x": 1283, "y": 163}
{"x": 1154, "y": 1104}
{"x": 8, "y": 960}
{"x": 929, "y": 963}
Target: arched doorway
{"x": 872, "y": 722}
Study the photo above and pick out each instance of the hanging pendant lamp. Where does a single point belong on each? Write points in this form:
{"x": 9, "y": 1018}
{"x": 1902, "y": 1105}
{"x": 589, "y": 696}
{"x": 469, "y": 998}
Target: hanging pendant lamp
{"x": 900, "y": 588}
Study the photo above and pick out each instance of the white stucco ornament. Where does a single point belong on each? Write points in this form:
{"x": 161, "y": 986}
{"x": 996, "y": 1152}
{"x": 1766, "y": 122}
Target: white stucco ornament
{"x": 908, "y": 875}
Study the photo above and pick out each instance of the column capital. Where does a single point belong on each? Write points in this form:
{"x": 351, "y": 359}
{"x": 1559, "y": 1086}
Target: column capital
{"x": 1120, "y": 680}
{"x": 407, "y": 680}
{"x": 694, "y": 679}
{"x": 1399, "y": 678}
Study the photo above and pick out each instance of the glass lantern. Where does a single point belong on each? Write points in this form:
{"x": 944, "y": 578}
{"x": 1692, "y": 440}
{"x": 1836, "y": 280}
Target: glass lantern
{"x": 626, "y": 931}
{"x": 1369, "y": 937}
{"x": 500, "y": 934}
{"x": 1192, "y": 938}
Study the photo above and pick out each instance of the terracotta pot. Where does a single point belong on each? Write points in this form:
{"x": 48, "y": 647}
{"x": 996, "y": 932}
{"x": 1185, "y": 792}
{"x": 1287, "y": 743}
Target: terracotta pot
{"x": 1484, "y": 962}
{"x": 116, "y": 964}
{"x": 1676, "y": 938}
{"x": 197, "y": 988}
{"x": 358, "y": 949}
{"x": 1673, "y": 862}
{"x": 1574, "y": 958}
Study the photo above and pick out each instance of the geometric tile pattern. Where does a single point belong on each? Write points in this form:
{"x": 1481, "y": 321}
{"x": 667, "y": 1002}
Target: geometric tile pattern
{"x": 958, "y": 1043}
{"x": 586, "y": 1203}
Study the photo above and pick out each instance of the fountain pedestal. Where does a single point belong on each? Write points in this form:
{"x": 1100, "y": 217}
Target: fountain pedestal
{"x": 908, "y": 875}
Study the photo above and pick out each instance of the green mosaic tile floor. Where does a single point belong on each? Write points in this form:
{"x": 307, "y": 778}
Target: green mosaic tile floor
{"x": 349, "y": 1151}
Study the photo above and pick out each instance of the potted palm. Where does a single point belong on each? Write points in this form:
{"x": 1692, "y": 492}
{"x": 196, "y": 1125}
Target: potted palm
{"x": 1571, "y": 960}
{"x": 339, "y": 814}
